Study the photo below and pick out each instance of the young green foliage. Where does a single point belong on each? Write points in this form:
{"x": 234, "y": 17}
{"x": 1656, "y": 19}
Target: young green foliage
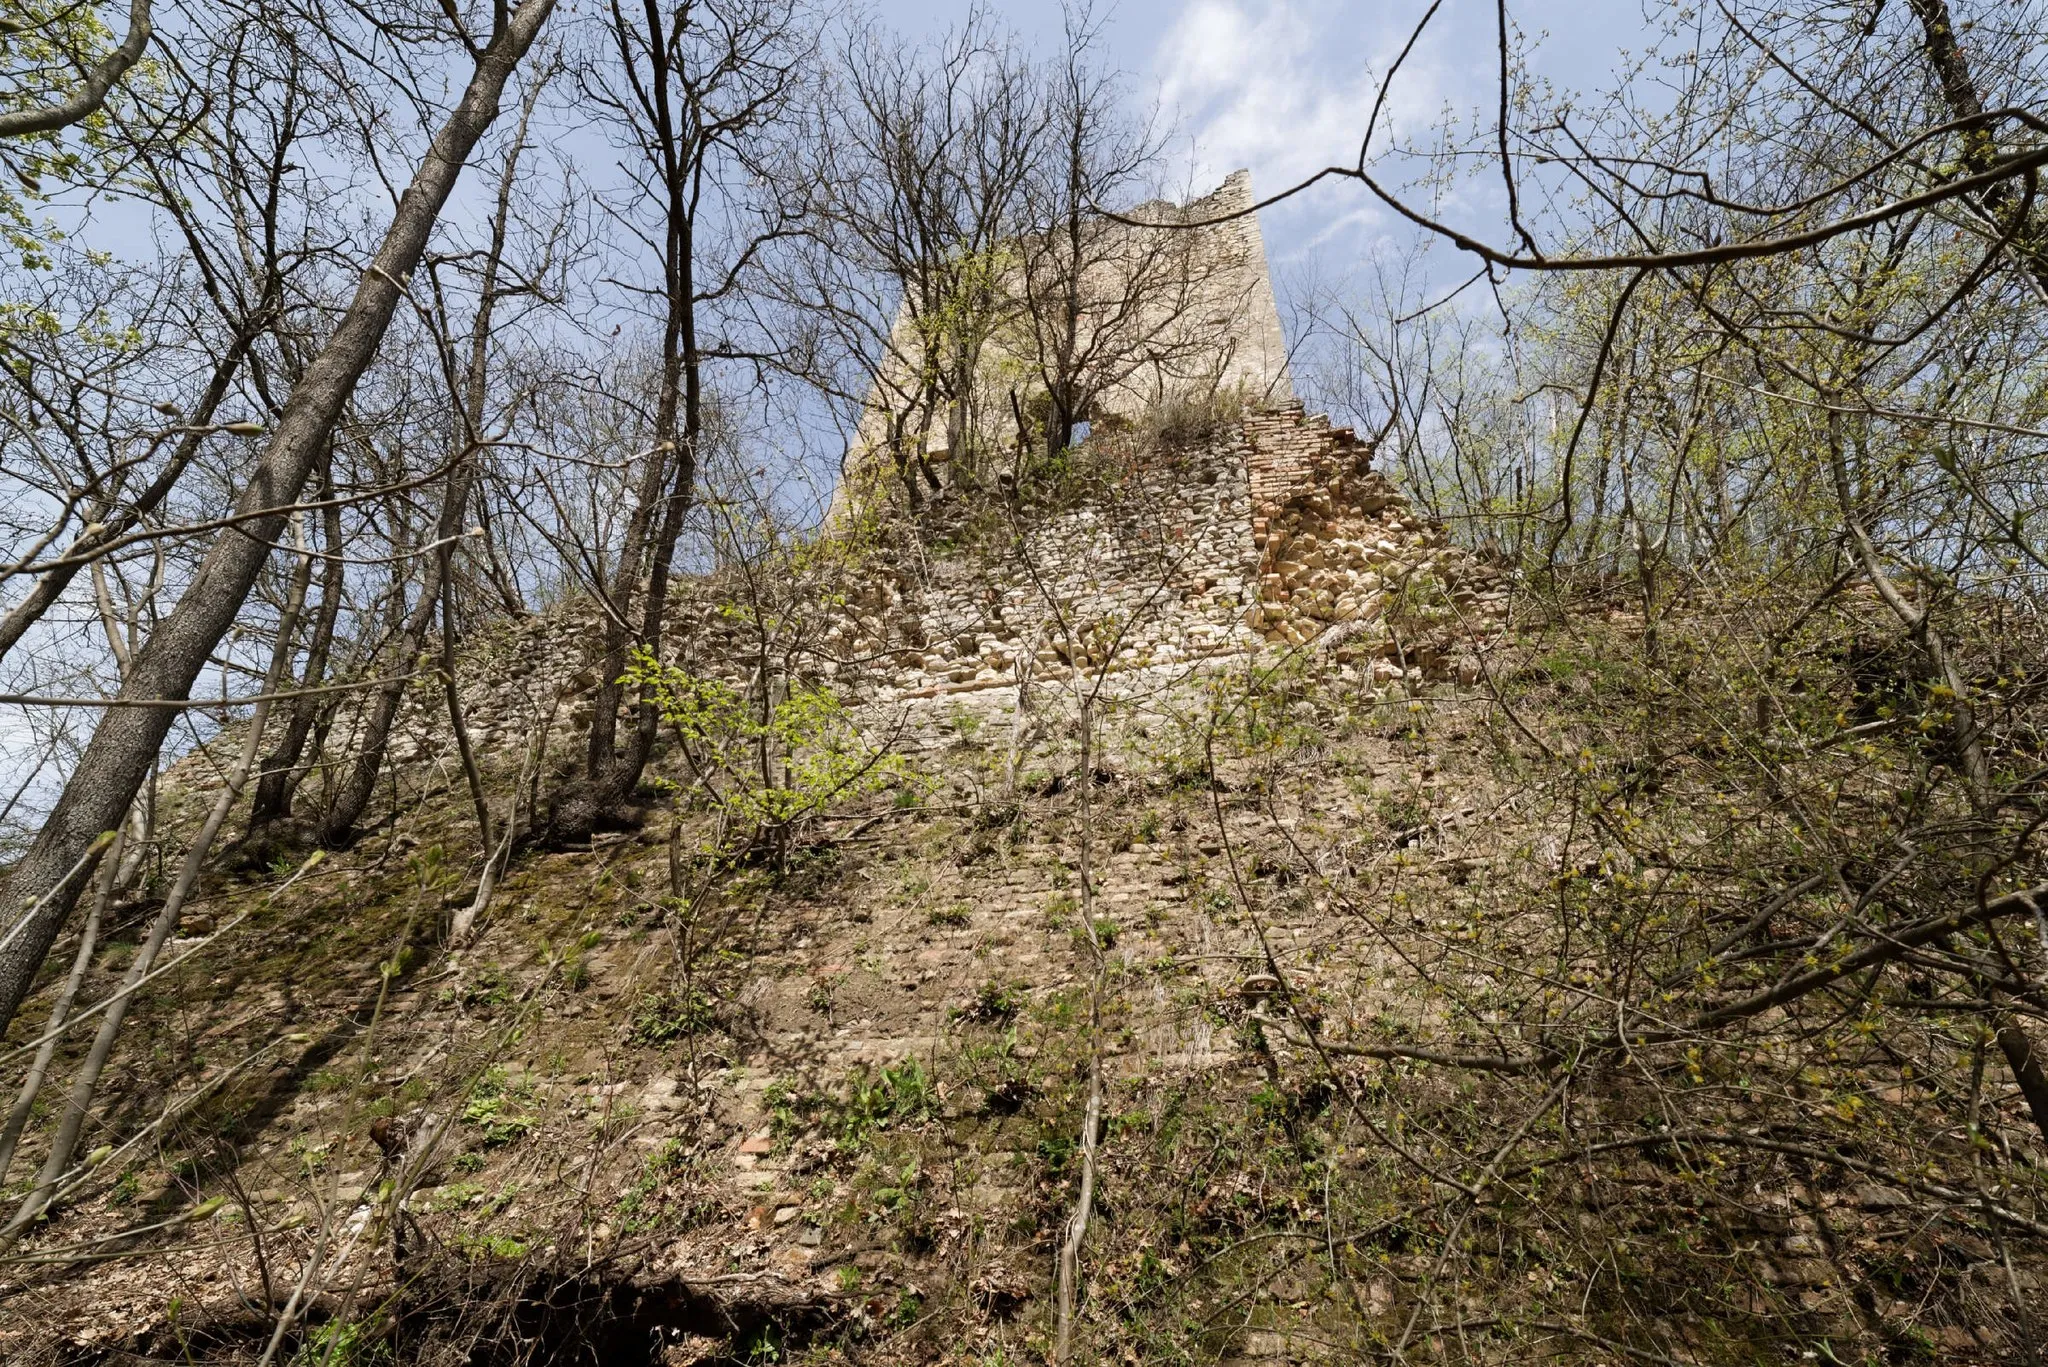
{"x": 768, "y": 763}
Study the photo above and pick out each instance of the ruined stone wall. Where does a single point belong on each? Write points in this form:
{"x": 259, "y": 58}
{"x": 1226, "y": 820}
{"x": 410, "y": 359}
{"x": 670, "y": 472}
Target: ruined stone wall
{"x": 1228, "y": 333}
{"x": 1274, "y": 537}
{"x": 1277, "y": 534}
{"x": 1344, "y": 557}
{"x": 1159, "y": 571}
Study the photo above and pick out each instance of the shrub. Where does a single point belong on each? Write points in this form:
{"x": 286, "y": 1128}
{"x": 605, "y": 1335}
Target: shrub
{"x": 665, "y": 1017}
{"x": 775, "y": 766}
{"x": 993, "y": 1003}
{"x": 1190, "y": 417}
{"x": 494, "y": 1108}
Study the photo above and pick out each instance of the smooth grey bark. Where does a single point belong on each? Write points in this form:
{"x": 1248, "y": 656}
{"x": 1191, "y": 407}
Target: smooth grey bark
{"x": 128, "y": 739}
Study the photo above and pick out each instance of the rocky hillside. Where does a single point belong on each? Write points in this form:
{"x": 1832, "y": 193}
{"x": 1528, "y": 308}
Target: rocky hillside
{"x": 1221, "y": 933}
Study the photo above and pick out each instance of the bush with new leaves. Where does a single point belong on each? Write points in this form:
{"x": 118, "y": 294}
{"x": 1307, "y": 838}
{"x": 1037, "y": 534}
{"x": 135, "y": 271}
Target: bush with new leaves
{"x": 769, "y": 760}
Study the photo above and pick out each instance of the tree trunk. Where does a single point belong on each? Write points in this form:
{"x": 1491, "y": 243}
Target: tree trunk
{"x": 352, "y": 799}
{"x": 281, "y": 771}
{"x": 591, "y": 802}
{"x": 2024, "y": 1057}
{"x": 71, "y": 1122}
{"x": 60, "y": 1010}
{"x": 610, "y": 775}
{"x": 127, "y": 740}
{"x": 359, "y": 785}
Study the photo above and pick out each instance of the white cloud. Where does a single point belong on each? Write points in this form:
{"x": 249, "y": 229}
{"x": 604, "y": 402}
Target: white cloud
{"x": 1284, "y": 87}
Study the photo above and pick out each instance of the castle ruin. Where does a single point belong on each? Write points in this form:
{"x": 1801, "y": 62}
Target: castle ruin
{"x": 1271, "y": 532}
{"x": 1158, "y": 314}
{"x": 1267, "y": 534}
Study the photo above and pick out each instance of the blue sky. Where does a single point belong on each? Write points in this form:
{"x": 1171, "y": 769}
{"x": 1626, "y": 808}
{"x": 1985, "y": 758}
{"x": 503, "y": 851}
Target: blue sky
{"x": 1283, "y": 86}
{"x": 1279, "y": 86}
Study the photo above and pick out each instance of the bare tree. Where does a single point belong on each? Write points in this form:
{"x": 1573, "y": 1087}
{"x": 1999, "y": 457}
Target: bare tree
{"x": 908, "y": 268}
{"x": 468, "y": 377}
{"x": 691, "y": 91}
{"x": 1782, "y": 404}
{"x": 128, "y": 737}
{"x": 220, "y": 158}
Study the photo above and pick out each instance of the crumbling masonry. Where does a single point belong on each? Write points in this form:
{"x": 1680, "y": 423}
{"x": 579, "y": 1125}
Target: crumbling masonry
{"x": 1275, "y": 534}
{"x": 1270, "y": 537}
{"x": 1277, "y": 538}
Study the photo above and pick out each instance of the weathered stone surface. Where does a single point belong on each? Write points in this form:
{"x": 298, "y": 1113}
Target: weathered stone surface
{"x": 1276, "y": 536}
{"x": 1174, "y": 310}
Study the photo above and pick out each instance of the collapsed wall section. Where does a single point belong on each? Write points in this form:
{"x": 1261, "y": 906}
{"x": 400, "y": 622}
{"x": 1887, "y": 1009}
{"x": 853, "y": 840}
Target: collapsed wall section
{"x": 1346, "y": 560}
{"x": 1274, "y": 537}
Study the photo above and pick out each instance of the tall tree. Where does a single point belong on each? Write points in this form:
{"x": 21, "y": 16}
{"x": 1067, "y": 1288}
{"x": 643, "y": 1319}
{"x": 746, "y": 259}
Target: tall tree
{"x": 1103, "y": 301}
{"x": 694, "y": 92}
{"x": 130, "y": 734}
{"x": 467, "y": 367}
{"x": 922, "y": 154}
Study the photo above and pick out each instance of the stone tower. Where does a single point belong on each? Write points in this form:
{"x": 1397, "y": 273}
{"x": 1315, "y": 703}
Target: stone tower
{"x": 1171, "y": 311}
